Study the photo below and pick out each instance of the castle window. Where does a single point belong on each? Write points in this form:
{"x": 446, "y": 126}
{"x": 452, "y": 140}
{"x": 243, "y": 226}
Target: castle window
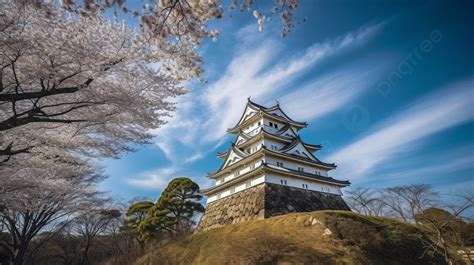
{"x": 318, "y": 173}
{"x": 279, "y": 164}
{"x": 300, "y": 169}
{"x": 275, "y": 125}
{"x": 236, "y": 174}
{"x": 259, "y": 123}
{"x": 283, "y": 182}
{"x": 232, "y": 190}
{"x": 271, "y": 124}
{"x": 305, "y": 186}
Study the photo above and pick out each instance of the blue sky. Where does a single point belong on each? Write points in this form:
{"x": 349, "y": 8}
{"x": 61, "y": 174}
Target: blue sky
{"x": 386, "y": 87}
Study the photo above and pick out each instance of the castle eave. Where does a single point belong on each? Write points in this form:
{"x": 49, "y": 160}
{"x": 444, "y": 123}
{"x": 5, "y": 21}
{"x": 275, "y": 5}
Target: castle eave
{"x": 262, "y": 113}
{"x": 238, "y": 179}
{"x": 301, "y": 159}
{"x": 228, "y": 169}
{"x": 282, "y": 170}
{"x": 329, "y": 180}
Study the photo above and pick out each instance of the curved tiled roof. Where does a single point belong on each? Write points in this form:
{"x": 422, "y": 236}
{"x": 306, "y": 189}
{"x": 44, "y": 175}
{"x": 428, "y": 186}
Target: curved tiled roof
{"x": 236, "y": 151}
{"x": 267, "y": 111}
{"x": 283, "y": 170}
{"x": 316, "y": 161}
{"x": 274, "y": 107}
{"x": 314, "y": 176}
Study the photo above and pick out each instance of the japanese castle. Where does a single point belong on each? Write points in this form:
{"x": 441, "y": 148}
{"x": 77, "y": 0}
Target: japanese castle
{"x": 269, "y": 170}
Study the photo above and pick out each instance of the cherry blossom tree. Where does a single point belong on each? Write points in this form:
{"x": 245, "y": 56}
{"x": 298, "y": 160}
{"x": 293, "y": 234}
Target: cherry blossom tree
{"x": 76, "y": 85}
{"x": 71, "y": 78}
{"x": 80, "y": 84}
{"x": 41, "y": 195}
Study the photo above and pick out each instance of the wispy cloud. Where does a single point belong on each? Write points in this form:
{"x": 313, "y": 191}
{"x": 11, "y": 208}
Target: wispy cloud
{"x": 260, "y": 69}
{"x": 441, "y": 110}
{"x": 330, "y": 92}
{"x": 440, "y": 165}
{"x": 153, "y": 180}
{"x": 250, "y": 74}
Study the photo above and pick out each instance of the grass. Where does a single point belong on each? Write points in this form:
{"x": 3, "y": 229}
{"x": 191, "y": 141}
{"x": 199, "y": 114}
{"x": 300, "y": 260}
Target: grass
{"x": 301, "y": 238}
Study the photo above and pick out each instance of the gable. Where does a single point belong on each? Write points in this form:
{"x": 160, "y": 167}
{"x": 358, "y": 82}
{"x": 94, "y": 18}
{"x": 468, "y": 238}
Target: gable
{"x": 239, "y": 140}
{"x": 278, "y": 112}
{"x": 232, "y": 158}
{"x": 249, "y": 112}
{"x": 288, "y": 133}
{"x": 300, "y": 150}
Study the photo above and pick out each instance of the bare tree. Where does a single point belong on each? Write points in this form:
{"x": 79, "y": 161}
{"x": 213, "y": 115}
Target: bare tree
{"x": 91, "y": 223}
{"x": 365, "y": 201}
{"x": 405, "y": 202}
{"x": 449, "y": 231}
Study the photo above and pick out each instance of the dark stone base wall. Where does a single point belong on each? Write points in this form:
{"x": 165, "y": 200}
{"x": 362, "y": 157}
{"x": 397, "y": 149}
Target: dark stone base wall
{"x": 264, "y": 201}
{"x": 283, "y": 199}
{"x": 241, "y": 206}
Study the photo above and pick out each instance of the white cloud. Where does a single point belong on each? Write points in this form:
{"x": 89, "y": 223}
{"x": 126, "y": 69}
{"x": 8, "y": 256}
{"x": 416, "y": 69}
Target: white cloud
{"x": 434, "y": 113}
{"x": 259, "y": 69}
{"x": 439, "y": 165}
{"x": 330, "y": 92}
{"x": 250, "y": 74}
{"x": 154, "y": 180}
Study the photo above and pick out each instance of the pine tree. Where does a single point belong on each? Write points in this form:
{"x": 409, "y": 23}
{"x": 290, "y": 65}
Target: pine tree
{"x": 174, "y": 210}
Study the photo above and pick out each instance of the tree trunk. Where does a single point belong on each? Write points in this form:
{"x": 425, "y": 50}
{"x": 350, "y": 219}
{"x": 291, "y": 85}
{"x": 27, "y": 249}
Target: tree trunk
{"x": 20, "y": 254}
{"x": 84, "y": 259}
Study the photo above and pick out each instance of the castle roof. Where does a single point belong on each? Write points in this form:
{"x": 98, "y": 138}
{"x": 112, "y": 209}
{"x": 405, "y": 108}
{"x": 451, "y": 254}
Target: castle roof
{"x": 232, "y": 156}
{"x": 290, "y": 141}
{"x": 272, "y": 168}
{"x": 253, "y": 109}
{"x": 230, "y": 163}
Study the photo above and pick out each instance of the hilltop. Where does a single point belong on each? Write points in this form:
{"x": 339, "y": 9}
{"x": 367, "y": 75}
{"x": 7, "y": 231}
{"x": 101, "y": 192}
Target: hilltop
{"x": 323, "y": 237}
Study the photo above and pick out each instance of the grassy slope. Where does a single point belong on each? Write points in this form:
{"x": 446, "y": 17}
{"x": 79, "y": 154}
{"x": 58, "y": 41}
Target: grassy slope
{"x": 298, "y": 239}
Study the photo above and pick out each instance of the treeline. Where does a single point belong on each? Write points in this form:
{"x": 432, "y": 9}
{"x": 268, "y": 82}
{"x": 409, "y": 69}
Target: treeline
{"x": 447, "y": 218}
{"x": 105, "y": 232}
{"x": 99, "y": 233}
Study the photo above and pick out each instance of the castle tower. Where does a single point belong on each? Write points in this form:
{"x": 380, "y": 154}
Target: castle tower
{"x": 269, "y": 171}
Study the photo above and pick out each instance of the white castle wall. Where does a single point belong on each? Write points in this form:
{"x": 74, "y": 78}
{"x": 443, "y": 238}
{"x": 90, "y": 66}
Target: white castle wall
{"x": 236, "y": 188}
{"x": 276, "y": 179}
{"x": 298, "y": 183}
{"x": 293, "y": 165}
